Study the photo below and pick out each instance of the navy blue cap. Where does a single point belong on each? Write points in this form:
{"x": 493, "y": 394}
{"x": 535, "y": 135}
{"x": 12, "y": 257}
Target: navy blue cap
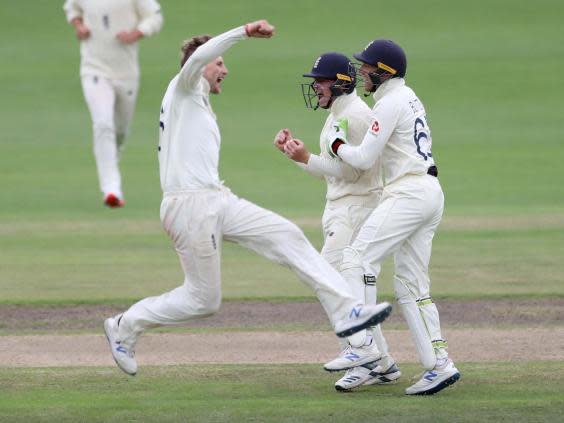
{"x": 386, "y": 55}
{"x": 328, "y": 65}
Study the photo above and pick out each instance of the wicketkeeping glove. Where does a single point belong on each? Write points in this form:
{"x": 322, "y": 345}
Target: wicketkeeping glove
{"x": 337, "y": 136}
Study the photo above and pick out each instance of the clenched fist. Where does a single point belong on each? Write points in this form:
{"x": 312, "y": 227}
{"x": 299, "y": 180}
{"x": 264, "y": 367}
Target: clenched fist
{"x": 281, "y": 138}
{"x": 259, "y": 29}
{"x": 297, "y": 151}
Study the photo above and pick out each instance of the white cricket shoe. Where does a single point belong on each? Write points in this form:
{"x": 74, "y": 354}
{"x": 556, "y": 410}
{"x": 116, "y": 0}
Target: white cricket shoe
{"x": 384, "y": 376}
{"x": 353, "y": 357}
{"x": 361, "y": 317}
{"x": 435, "y": 380}
{"x": 123, "y": 351}
{"x": 364, "y": 376}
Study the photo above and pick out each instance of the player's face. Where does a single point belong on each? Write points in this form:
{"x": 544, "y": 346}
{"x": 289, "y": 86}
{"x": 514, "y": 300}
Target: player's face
{"x": 322, "y": 88}
{"x": 364, "y": 70}
{"x": 215, "y": 72}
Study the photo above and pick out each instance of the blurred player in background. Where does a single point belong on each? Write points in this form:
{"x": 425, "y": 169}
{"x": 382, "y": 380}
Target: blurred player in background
{"x": 108, "y": 31}
{"x": 198, "y": 212}
{"x": 352, "y": 195}
{"x": 411, "y": 207}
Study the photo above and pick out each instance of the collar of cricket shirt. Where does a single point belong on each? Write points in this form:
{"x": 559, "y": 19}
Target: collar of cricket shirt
{"x": 387, "y": 86}
{"x": 341, "y": 103}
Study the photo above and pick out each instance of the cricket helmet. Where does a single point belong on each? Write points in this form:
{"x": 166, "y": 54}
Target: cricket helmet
{"x": 331, "y": 66}
{"x": 385, "y": 55}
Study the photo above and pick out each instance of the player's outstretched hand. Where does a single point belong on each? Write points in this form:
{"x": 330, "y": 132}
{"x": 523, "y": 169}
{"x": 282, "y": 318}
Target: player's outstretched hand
{"x": 297, "y": 151}
{"x": 129, "y": 37}
{"x": 281, "y": 138}
{"x": 259, "y": 29}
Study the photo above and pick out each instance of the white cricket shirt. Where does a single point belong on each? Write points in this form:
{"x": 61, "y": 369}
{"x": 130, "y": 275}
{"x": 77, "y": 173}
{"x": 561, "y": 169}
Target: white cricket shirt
{"x": 342, "y": 179}
{"x": 398, "y": 135}
{"x": 102, "y": 54}
{"x": 189, "y": 139}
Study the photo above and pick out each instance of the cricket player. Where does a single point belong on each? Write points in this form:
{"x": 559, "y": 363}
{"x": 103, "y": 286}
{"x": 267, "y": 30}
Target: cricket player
{"x": 108, "y": 31}
{"x": 198, "y": 212}
{"x": 411, "y": 207}
{"x": 352, "y": 194}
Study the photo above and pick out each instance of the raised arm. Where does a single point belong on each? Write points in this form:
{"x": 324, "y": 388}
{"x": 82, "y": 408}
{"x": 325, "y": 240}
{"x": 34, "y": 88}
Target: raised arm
{"x": 215, "y": 47}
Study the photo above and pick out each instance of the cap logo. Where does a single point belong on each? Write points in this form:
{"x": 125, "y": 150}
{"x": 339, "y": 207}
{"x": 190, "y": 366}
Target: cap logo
{"x": 316, "y": 64}
{"x": 344, "y": 77}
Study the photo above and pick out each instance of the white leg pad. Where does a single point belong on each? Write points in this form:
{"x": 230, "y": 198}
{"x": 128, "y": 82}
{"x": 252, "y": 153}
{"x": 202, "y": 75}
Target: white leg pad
{"x": 416, "y": 323}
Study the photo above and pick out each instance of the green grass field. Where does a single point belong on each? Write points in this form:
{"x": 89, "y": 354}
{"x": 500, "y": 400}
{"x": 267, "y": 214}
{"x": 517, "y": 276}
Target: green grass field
{"x": 489, "y": 75}
{"x": 492, "y": 392}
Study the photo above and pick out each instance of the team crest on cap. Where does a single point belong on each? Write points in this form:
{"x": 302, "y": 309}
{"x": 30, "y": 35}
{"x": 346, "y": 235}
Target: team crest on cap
{"x": 375, "y": 127}
{"x": 316, "y": 64}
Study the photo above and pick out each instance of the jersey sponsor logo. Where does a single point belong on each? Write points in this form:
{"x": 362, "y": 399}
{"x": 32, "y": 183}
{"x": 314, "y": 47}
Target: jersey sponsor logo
{"x": 375, "y": 128}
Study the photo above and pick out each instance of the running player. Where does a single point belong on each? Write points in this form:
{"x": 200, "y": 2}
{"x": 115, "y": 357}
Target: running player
{"x": 108, "y": 31}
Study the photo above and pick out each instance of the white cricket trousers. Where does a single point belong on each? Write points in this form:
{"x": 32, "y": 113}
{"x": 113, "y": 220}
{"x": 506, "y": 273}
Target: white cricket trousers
{"x": 342, "y": 220}
{"x": 111, "y": 104}
{"x": 404, "y": 224}
{"x": 197, "y": 222}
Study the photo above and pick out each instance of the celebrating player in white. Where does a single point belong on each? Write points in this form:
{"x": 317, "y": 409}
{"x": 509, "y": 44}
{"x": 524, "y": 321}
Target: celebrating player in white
{"x": 198, "y": 212}
{"x": 108, "y": 31}
{"x": 411, "y": 207}
{"x": 352, "y": 194}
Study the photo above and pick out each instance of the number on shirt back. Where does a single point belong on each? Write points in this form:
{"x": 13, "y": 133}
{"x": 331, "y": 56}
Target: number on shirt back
{"x": 422, "y": 138}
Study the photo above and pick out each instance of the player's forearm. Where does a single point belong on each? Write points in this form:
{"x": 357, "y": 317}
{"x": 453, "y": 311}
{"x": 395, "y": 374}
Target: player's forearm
{"x": 309, "y": 171}
{"x": 322, "y": 166}
{"x": 363, "y": 156}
